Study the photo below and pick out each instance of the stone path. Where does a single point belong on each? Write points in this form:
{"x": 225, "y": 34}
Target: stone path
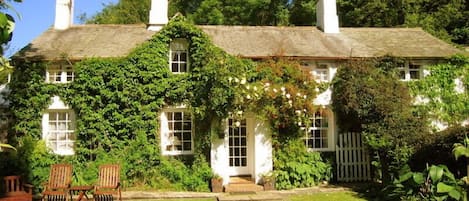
{"x": 253, "y": 196}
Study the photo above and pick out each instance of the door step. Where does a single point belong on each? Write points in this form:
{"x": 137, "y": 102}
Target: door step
{"x": 241, "y": 180}
{"x": 250, "y": 197}
{"x": 242, "y": 184}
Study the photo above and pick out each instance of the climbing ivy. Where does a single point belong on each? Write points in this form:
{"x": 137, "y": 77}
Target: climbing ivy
{"x": 117, "y": 102}
{"x": 443, "y": 94}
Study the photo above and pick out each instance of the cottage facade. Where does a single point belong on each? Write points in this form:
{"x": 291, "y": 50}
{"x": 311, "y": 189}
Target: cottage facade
{"x": 246, "y": 148}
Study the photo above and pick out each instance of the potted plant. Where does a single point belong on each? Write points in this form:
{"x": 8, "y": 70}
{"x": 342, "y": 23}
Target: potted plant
{"x": 268, "y": 181}
{"x": 217, "y": 183}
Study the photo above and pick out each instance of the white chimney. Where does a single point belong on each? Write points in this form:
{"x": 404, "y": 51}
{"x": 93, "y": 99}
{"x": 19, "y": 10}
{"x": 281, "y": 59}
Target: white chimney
{"x": 158, "y": 14}
{"x": 63, "y": 14}
{"x": 326, "y": 16}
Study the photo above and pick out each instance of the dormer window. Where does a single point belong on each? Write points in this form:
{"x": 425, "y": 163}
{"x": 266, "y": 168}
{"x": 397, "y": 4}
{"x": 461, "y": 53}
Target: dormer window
{"x": 60, "y": 74}
{"x": 321, "y": 73}
{"x": 179, "y": 56}
{"x": 411, "y": 71}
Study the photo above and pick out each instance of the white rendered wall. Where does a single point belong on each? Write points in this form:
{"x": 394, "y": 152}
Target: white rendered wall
{"x": 263, "y": 150}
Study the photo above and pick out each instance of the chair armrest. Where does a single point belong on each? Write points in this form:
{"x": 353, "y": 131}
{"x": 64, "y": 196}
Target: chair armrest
{"x": 28, "y": 188}
{"x": 45, "y": 185}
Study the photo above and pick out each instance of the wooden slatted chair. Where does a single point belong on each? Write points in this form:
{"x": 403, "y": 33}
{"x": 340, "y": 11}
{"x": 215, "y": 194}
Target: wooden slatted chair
{"x": 58, "y": 186}
{"x": 108, "y": 184}
{"x": 13, "y": 188}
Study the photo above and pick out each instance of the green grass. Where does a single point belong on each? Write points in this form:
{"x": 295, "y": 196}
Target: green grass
{"x": 329, "y": 196}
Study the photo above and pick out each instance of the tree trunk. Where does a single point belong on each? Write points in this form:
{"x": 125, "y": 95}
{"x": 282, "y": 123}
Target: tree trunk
{"x": 385, "y": 176}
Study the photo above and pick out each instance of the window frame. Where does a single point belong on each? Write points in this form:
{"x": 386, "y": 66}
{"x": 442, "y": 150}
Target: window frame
{"x": 405, "y": 72}
{"x": 321, "y": 73}
{"x": 61, "y": 71}
{"x": 69, "y": 133}
{"x": 179, "y": 46}
{"x": 166, "y": 134}
{"x": 326, "y": 114}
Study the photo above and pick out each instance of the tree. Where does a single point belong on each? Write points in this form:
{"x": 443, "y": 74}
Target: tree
{"x": 7, "y": 25}
{"x": 124, "y": 12}
{"x": 367, "y": 97}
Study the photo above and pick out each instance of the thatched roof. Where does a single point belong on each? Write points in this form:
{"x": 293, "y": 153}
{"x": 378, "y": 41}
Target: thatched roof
{"x": 84, "y": 41}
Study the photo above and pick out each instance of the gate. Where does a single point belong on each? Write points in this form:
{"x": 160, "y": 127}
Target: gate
{"x": 353, "y": 160}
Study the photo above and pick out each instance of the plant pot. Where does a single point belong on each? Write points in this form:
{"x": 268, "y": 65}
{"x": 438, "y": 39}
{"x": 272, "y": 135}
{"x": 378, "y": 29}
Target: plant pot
{"x": 269, "y": 185}
{"x": 217, "y": 185}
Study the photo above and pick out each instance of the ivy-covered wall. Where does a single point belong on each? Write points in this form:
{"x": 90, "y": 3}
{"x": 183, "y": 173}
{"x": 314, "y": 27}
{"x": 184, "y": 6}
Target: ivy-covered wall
{"x": 443, "y": 94}
{"x": 117, "y": 102}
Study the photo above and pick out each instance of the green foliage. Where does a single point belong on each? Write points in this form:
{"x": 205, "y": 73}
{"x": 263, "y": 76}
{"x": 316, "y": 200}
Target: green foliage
{"x": 295, "y": 167}
{"x": 436, "y": 148}
{"x": 122, "y": 12}
{"x": 367, "y": 97}
{"x": 438, "y": 90}
{"x": 461, "y": 149}
{"x": 436, "y": 182}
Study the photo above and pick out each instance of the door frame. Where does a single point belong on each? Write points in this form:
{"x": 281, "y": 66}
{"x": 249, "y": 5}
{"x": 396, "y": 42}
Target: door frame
{"x": 250, "y": 145}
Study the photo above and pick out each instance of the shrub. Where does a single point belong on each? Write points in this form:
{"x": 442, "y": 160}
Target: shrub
{"x": 295, "y": 167}
{"x": 436, "y": 148}
{"x": 436, "y": 182}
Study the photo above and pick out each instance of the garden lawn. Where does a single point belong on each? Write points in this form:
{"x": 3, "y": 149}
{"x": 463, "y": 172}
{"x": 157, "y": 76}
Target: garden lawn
{"x": 329, "y": 196}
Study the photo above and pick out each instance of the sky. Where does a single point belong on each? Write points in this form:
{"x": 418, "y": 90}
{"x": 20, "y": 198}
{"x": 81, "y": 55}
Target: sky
{"x": 38, "y": 15}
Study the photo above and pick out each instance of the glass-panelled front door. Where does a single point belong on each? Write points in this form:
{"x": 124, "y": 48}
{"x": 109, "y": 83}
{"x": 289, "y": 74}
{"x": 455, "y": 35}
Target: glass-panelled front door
{"x": 238, "y": 147}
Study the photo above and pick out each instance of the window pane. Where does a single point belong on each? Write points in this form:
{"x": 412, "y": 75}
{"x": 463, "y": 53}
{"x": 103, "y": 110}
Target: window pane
{"x": 183, "y": 56}
{"x": 177, "y": 126}
{"x": 414, "y": 75}
{"x": 174, "y": 56}
{"x": 187, "y": 146}
{"x": 178, "y": 116}
{"x": 183, "y": 68}
{"x": 187, "y": 136}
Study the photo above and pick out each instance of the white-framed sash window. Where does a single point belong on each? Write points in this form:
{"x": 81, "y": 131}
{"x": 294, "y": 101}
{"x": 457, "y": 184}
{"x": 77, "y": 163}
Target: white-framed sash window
{"x": 177, "y": 136}
{"x": 179, "y": 56}
{"x": 319, "y": 133}
{"x": 59, "y": 130}
{"x": 60, "y": 74}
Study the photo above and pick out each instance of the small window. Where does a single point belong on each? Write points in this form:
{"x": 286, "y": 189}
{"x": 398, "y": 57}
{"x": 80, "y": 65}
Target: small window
{"x": 321, "y": 73}
{"x": 60, "y": 74}
{"x": 177, "y": 132}
{"x": 317, "y": 134}
{"x": 410, "y": 72}
{"x": 60, "y": 130}
{"x": 179, "y": 56}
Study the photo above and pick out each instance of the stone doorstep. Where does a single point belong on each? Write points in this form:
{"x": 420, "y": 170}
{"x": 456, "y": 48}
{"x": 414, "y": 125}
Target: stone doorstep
{"x": 250, "y": 197}
{"x": 243, "y": 187}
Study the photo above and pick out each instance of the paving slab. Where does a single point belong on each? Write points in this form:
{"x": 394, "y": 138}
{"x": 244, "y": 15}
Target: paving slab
{"x": 250, "y": 197}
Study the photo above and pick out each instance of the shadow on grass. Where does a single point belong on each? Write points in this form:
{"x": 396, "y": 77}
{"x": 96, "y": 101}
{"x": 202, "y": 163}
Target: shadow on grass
{"x": 366, "y": 190}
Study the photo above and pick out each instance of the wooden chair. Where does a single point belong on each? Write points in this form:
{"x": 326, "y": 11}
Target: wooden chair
{"x": 59, "y": 182}
{"x": 13, "y": 188}
{"x": 108, "y": 184}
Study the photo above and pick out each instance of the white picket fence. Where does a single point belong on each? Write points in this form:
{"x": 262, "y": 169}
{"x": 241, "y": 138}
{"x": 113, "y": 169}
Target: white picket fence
{"x": 353, "y": 160}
